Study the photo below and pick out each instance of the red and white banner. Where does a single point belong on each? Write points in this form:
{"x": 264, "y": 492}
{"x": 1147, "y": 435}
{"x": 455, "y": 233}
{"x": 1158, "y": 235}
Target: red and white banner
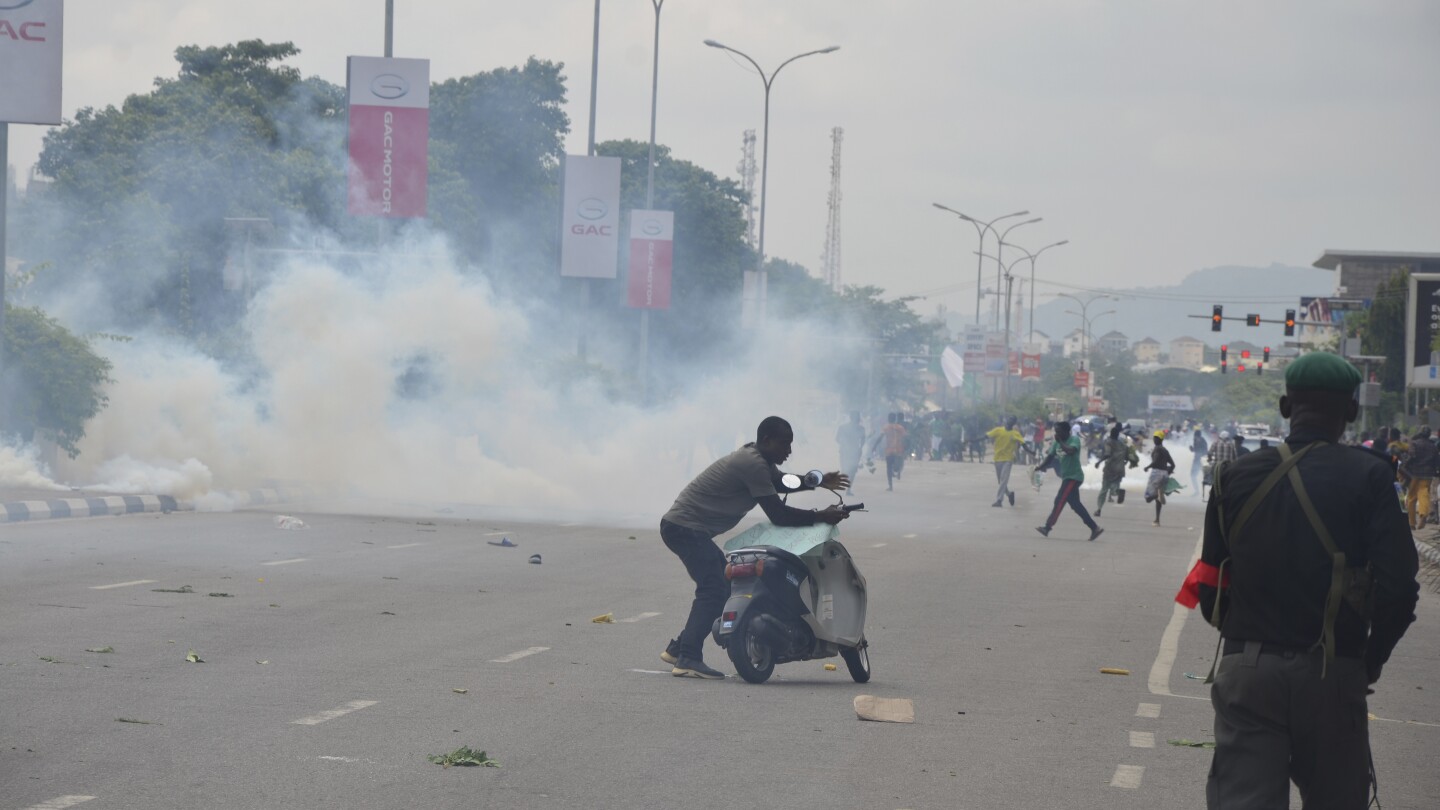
{"x": 389, "y": 136}
{"x": 652, "y": 256}
{"x": 1029, "y": 366}
{"x": 590, "y": 224}
{"x": 30, "y": 60}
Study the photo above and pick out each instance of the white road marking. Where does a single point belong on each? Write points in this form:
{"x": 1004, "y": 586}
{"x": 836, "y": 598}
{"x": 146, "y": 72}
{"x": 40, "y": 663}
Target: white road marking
{"x": 516, "y": 656}
{"x": 1170, "y": 641}
{"x": 60, "y": 803}
{"x": 640, "y": 617}
{"x": 406, "y": 545}
{"x": 317, "y": 719}
{"x": 570, "y": 525}
{"x": 340, "y": 759}
{"x": 909, "y": 536}
{"x": 1127, "y": 776}
{"x": 122, "y": 584}
{"x": 284, "y": 562}
{"x": 880, "y": 545}
{"x": 1148, "y": 710}
{"x": 495, "y": 534}
{"x": 1142, "y": 739}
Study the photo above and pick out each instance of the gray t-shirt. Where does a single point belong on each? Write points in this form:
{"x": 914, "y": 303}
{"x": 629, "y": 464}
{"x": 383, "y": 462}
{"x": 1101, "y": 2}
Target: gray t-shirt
{"x": 725, "y": 492}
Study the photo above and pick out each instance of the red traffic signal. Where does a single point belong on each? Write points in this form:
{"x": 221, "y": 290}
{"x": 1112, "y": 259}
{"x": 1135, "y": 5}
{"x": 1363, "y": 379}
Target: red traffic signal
{"x": 1289, "y": 323}
{"x": 1252, "y": 320}
{"x": 1240, "y": 368}
{"x": 1215, "y": 318}
{"x": 1244, "y": 354}
{"x": 1267, "y": 354}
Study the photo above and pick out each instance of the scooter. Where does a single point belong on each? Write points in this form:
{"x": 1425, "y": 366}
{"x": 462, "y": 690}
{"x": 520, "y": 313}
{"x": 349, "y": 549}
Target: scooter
{"x": 795, "y": 595}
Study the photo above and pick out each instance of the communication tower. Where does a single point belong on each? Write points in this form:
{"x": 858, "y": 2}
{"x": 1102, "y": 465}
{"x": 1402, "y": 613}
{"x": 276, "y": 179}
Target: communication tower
{"x": 830, "y": 257}
{"x": 748, "y": 170}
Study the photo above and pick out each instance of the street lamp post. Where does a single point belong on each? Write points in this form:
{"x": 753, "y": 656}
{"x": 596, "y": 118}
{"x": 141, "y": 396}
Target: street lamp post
{"x": 760, "y": 277}
{"x": 1004, "y": 393}
{"x": 1000, "y": 253}
{"x": 649, "y": 198}
{"x": 1084, "y": 328}
{"x": 980, "y": 229}
{"x": 1032, "y": 257}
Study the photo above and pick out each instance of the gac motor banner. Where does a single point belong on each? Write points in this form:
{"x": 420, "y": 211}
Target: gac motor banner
{"x": 389, "y": 136}
{"x": 590, "y": 222}
{"x": 652, "y": 254}
{"x": 1422, "y": 321}
{"x": 30, "y": 61}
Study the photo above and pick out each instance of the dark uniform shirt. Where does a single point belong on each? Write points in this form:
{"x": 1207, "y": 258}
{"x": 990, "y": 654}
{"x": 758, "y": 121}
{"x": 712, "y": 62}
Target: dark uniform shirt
{"x": 1278, "y": 571}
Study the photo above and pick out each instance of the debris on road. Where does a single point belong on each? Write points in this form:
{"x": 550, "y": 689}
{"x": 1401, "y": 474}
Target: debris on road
{"x": 288, "y": 522}
{"x": 885, "y": 710}
{"x": 1114, "y": 671}
{"x": 263, "y": 663}
{"x": 181, "y": 589}
{"x": 100, "y": 649}
{"x": 608, "y": 618}
{"x": 220, "y": 594}
{"x": 386, "y": 613}
{"x": 830, "y": 667}
{"x": 137, "y": 722}
{"x": 1192, "y": 743}
{"x": 194, "y": 657}
{"x": 464, "y": 756}
{"x": 50, "y": 659}
{"x": 1192, "y": 676}
{"x": 396, "y": 578}
{"x": 461, "y": 691}
{"x": 534, "y": 559}
{"x": 424, "y": 523}
{"x": 504, "y": 543}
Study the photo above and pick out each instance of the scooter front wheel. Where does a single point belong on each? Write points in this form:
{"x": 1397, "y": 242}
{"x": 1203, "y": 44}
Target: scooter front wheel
{"x": 857, "y": 659}
{"x": 752, "y": 656}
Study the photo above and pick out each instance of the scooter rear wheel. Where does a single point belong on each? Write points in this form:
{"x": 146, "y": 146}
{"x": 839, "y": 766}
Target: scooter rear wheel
{"x": 751, "y": 655}
{"x": 857, "y": 659}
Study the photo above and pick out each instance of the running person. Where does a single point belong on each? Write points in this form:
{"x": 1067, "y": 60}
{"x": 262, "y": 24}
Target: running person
{"x": 1065, "y": 452}
{"x": 1160, "y": 468}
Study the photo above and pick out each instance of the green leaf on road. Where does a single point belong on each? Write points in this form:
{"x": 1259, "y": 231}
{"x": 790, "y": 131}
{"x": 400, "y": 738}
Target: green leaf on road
{"x": 50, "y": 659}
{"x": 100, "y": 649}
{"x": 194, "y": 657}
{"x": 466, "y": 756}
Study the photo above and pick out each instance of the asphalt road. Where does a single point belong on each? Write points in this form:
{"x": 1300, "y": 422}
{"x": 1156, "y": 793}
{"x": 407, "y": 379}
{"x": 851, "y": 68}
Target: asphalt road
{"x": 330, "y": 671}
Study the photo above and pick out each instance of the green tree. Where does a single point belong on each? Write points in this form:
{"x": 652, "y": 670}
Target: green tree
{"x": 53, "y": 380}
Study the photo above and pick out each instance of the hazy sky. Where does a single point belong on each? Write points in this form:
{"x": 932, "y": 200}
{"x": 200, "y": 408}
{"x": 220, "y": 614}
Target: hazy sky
{"x": 1159, "y": 137}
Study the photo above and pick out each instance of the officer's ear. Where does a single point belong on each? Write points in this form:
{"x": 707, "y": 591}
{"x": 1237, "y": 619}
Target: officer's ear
{"x": 1285, "y": 407}
{"x": 1352, "y": 410}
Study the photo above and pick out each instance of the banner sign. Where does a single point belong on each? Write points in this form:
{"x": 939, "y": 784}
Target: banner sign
{"x": 1082, "y": 379}
{"x": 1422, "y": 323}
{"x": 389, "y": 136}
{"x": 1014, "y": 363}
{"x": 995, "y": 360}
{"x": 974, "y": 350}
{"x": 1169, "y": 402}
{"x": 652, "y": 255}
{"x": 30, "y": 61}
{"x": 1029, "y": 366}
{"x": 590, "y": 224}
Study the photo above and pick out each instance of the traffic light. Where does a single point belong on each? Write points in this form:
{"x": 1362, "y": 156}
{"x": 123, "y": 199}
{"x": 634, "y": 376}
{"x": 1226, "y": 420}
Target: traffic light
{"x": 1240, "y": 368}
{"x": 1252, "y": 320}
{"x": 1289, "y": 323}
{"x": 1224, "y": 351}
{"x": 1215, "y": 318}
{"x": 1267, "y": 354}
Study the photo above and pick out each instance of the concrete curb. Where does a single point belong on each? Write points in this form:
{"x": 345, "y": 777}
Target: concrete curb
{"x": 18, "y": 511}
{"x": 1428, "y": 552}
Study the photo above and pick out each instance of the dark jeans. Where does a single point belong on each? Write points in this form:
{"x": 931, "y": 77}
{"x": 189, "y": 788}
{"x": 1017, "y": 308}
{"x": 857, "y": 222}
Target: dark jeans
{"x": 1069, "y": 492}
{"x": 1278, "y": 721}
{"x": 705, "y": 563}
{"x": 892, "y": 470}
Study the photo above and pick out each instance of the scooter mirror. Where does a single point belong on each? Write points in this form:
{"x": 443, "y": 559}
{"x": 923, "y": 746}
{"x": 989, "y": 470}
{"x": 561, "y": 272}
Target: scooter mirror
{"x": 792, "y": 481}
{"x": 813, "y": 478}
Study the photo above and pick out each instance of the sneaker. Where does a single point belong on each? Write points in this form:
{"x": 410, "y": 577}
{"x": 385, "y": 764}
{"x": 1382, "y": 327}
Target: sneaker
{"x": 997, "y": 503}
{"x": 1012, "y": 498}
{"x": 695, "y": 668}
{"x": 1156, "y": 523}
{"x": 1096, "y": 532}
{"x": 1045, "y": 530}
{"x": 1097, "y": 513}
{"x": 672, "y": 652}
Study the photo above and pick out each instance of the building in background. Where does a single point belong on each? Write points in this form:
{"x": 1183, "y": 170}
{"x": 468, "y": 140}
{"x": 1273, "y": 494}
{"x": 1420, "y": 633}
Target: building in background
{"x": 1187, "y": 352}
{"x": 1113, "y": 343}
{"x": 1146, "y": 351}
{"x": 1359, "y": 273}
{"x": 1073, "y": 344}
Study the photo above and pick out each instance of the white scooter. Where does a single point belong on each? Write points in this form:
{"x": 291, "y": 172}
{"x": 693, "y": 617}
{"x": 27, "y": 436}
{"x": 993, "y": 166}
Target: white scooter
{"x": 795, "y": 595}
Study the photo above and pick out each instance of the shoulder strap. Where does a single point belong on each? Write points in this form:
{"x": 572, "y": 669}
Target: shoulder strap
{"x": 1338, "y": 564}
{"x": 1287, "y": 463}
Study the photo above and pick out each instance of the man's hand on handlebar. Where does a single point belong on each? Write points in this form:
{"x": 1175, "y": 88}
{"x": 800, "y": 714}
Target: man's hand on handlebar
{"x": 835, "y": 481}
{"x": 832, "y": 514}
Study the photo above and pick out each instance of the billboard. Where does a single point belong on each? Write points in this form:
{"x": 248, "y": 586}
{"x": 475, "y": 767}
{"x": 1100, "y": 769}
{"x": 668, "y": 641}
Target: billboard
{"x": 590, "y": 222}
{"x": 1422, "y": 324}
{"x": 652, "y": 256}
{"x": 1030, "y": 365}
{"x": 974, "y": 356}
{"x": 389, "y": 136}
{"x": 31, "y": 60}
{"x": 1170, "y": 402}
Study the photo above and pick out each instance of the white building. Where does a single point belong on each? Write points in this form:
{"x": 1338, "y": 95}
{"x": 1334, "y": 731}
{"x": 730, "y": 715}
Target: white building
{"x": 1147, "y": 350}
{"x": 1187, "y": 352}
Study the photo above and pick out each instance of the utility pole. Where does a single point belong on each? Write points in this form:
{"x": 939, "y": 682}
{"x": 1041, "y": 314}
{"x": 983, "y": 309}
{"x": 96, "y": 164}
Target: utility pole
{"x": 748, "y": 169}
{"x": 830, "y": 256}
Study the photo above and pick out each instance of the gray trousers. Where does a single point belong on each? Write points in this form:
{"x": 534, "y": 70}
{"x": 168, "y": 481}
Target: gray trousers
{"x": 1002, "y": 474}
{"x": 1277, "y": 721}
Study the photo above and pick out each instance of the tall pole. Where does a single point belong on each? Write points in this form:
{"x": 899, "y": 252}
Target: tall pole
{"x": 1033, "y": 257}
{"x": 762, "y": 282}
{"x": 999, "y": 257}
{"x": 650, "y": 198}
{"x": 4, "y": 256}
{"x": 980, "y": 229}
{"x": 580, "y": 347}
{"x": 389, "y": 28}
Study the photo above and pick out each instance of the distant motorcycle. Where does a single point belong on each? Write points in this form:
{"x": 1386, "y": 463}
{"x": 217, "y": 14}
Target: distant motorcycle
{"x": 795, "y": 595}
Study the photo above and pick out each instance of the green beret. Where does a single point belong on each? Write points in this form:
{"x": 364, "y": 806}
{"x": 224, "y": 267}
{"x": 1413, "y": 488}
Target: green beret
{"x": 1322, "y": 371}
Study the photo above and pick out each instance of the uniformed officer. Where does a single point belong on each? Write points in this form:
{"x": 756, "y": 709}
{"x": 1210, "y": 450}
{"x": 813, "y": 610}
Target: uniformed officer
{"x": 1309, "y": 571}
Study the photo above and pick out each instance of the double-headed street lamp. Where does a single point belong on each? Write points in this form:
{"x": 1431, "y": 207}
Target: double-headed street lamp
{"x": 980, "y": 229}
{"x": 1084, "y": 322}
{"x": 761, "y": 280}
{"x": 1032, "y": 257}
{"x": 1000, "y": 252}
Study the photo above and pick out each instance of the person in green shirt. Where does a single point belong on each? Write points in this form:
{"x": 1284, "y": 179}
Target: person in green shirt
{"x": 1006, "y": 439}
{"x": 1065, "y": 453}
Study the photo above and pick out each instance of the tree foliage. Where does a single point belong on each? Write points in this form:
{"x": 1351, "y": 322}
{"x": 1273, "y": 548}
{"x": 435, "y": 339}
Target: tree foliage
{"x": 53, "y": 380}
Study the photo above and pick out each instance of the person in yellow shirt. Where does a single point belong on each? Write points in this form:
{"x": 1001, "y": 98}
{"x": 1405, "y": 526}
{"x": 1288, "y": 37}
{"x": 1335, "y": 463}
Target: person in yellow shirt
{"x": 1007, "y": 439}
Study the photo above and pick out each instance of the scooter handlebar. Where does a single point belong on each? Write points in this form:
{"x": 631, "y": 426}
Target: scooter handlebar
{"x": 853, "y": 507}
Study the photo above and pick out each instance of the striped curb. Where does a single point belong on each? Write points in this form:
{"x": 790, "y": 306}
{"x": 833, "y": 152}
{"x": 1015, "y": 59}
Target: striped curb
{"x": 18, "y": 511}
{"x": 1428, "y": 552}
